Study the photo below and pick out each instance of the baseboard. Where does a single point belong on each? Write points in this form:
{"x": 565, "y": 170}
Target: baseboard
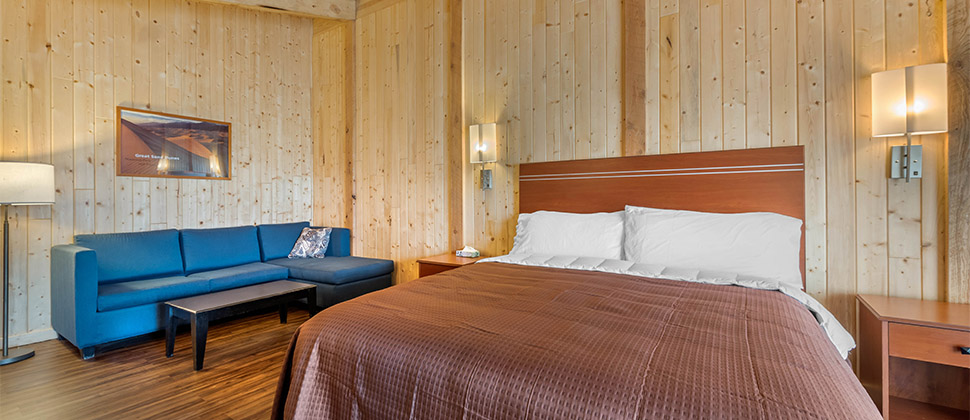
{"x": 31, "y": 337}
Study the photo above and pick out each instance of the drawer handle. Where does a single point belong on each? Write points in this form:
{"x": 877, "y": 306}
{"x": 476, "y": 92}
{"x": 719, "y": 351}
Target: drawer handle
{"x": 965, "y": 350}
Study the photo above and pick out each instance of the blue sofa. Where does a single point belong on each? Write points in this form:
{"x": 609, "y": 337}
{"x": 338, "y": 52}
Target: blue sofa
{"x": 110, "y": 287}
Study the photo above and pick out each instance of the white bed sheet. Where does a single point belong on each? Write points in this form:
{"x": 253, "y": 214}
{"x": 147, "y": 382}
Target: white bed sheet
{"x": 836, "y": 333}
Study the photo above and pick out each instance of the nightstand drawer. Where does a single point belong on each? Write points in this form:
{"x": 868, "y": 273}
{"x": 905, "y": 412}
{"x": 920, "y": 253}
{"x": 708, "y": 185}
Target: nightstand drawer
{"x": 425, "y": 270}
{"x": 929, "y": 344}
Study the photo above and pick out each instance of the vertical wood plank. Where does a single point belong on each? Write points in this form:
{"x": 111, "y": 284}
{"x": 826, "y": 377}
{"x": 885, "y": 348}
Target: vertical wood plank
{"x": 669, "y": 84}
{"x": 871, "y": 195}
{"x": 652, "y": 93}
{"x": 811, "y": 133}
{"x": 598, "y": 84}
{"x": 84, "y": 15}
{"x": 567, "y": 42}
{"x": 526, "y": 80}
{"x": 62, "y": 123}
{"x": 553, "y": 135}
{"x": 38, "y": 272}
{"x": 932, "y": 49}
{"x": 758, "y": 73}
{"x": 635, "y": 77}
{"x": 711, "y": 87}
{"x": 614, "y": 87}
{"x": 734, "y": 88}
{"x": 690, "y": 95}
{"x": 840, "y": 166}
{"x": 454, "y": 124}
{"x": 784, "y": 92}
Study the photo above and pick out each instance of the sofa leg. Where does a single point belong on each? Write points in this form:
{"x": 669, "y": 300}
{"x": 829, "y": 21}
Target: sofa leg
{"x": 61, "y": 337}
{"x": 87, "y": 353}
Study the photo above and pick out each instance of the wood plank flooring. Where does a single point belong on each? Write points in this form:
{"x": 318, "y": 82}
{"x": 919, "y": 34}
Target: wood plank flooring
{"x": 242, "y": 364}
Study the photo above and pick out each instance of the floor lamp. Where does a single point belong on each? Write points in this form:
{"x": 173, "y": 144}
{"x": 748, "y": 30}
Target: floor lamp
{"x": 21, "y": 184}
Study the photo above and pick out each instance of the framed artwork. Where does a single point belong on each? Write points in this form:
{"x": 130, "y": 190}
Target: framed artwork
{"x": 155, "y": 144}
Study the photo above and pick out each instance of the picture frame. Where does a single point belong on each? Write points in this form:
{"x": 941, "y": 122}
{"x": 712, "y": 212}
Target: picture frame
{"x": 160, "y": 145}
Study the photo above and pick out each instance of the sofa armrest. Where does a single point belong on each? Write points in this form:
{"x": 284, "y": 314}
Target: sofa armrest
{"x": 74, "y": 292}
{"x": 339, "y": 243}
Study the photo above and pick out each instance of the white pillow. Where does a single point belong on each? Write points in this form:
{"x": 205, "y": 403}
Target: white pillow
{"x": 764, "y": 245}
{"x": 597, "y": 235}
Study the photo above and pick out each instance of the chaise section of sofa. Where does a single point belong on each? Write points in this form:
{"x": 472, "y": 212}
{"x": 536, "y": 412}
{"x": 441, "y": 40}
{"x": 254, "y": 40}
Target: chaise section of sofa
{"x": 110, "y": 287}
{"x": 338, "y": 276}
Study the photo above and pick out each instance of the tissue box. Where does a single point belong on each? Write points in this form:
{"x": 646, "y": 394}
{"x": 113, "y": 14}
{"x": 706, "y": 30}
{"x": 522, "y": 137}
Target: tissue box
{"x": 467, "y": 254}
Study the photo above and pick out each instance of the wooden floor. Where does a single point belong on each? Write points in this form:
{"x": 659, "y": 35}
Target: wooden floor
{"x": 242, "y": 364}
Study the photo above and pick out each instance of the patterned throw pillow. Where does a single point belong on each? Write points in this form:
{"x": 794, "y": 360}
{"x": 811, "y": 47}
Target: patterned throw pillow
{"x": 312, "y": 243}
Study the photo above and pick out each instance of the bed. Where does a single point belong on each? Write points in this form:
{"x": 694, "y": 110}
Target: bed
{"x": 555, "y": 336}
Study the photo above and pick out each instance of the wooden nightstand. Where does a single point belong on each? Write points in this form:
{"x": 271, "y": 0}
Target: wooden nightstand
{"x": 439, "y": 263}
{"x": 912, "y": 357}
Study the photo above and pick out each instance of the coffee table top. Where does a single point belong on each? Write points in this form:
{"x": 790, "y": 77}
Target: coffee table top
{"x": 232, "y": 297}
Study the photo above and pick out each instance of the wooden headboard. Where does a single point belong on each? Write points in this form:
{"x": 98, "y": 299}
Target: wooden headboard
{"x": 734, "y": 181}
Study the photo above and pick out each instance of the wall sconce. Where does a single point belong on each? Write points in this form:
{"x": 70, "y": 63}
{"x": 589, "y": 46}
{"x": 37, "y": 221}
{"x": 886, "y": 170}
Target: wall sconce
{"x": 483, "y": 149}
{"x": 906, "y": 102}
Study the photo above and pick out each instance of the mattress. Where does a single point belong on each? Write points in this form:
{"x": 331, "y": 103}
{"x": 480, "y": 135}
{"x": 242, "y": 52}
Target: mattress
{"x": 508, "y": 341}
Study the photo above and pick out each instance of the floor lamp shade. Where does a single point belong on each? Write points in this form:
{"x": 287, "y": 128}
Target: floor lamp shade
{"x": 24, "y": 184}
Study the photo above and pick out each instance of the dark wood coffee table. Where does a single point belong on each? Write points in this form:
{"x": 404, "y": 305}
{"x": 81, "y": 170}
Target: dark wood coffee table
{"x": 199, "y": 310}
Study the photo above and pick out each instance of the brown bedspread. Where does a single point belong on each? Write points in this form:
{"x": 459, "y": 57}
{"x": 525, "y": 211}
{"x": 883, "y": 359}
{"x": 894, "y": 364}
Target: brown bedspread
{"x": 498, "y": 341}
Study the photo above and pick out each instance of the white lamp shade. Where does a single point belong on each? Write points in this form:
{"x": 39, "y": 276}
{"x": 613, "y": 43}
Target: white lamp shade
{"x": 482, "y": 143}
{"x": 24, "y": 184}
{"x": 910, "y": 100}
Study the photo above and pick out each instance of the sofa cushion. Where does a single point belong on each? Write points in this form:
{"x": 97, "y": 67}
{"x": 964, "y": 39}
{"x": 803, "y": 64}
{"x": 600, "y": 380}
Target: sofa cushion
{"x": 210, "y": 249}
{"x": 335, "y": 270}
{"x": 242, "y": 275}
{"x": 277, "y": 240}
{"x": 139, "y": 292}
{"x": 134, "y": 255}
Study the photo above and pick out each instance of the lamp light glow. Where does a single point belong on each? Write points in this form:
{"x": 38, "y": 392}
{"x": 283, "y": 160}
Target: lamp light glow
{"x": 910, "y": 100}
{"x": 481, "y": 139}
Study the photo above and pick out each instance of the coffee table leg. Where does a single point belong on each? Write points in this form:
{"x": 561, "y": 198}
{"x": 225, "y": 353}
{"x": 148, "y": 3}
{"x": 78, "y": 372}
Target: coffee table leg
{"x": 170, "y": 326}
{"x": 283, "y": 313}
{"x": 311, "y": 301}
{"x": 200, "y": 328}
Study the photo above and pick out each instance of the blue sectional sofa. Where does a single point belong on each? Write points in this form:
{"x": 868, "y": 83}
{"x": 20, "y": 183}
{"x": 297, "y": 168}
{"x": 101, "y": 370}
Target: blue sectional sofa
{"x": 111, "y": 287}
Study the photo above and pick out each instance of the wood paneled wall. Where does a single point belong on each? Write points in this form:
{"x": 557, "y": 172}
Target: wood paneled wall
{"x": 405, "y": 144}
{"x": 698, "y": 75}
{"x": 66, "y": 65}
{"x": 569, "y": 79}
{"x": 549, "y": 73}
